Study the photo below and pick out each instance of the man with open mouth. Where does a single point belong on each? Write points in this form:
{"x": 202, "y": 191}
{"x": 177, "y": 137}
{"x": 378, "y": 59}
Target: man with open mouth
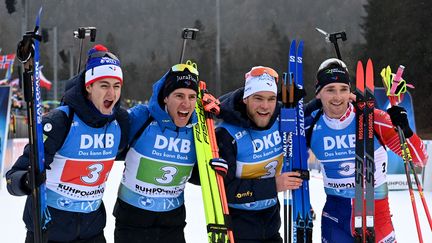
{"x": 161, "y": 159}
{"x": 81, "y": 140}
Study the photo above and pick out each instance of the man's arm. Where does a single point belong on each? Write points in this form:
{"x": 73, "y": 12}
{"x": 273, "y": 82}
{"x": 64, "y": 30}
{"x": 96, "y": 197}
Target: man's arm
{"x": 386, "y": 131}
{"x": 54, "y": 126}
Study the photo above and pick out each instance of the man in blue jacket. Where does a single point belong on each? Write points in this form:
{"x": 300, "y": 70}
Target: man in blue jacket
{"x": 250, "y": 142}
{"x": 82, "y": 139}
{"x": 161, "y": 160}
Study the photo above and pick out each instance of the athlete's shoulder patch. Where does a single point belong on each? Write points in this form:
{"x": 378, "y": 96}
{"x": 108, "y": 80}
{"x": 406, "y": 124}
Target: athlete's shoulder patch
{"x": 240, "y": 134}
{"x": 47, "y": 127}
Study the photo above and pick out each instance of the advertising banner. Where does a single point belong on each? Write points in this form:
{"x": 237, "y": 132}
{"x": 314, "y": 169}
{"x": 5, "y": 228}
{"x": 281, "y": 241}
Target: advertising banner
{"x": 5, "y": 95}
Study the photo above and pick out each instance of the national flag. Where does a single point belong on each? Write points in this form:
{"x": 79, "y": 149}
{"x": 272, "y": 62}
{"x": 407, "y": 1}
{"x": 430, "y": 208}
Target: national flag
{"x": 6, "y": 61}
{"x": 44, "y": 82}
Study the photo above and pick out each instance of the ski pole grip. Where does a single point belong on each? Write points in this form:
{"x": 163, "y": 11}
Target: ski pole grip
{"x": 25, "y": 48}
{"x": 284, "y": 90}
{"x": 399, "y": 72}
{"x": 291, "y": 93}
{"x": 397, "y": 79}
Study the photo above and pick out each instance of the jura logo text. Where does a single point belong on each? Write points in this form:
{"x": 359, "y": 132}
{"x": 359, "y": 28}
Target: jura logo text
{"x": 338, "y": 142}
{"x": 266, "y": 142}
{"x": 173, "y": 144}
{"x": 97, "y": 141}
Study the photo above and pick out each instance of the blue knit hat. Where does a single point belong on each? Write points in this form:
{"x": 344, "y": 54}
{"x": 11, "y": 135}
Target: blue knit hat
{"x": 102, "y": 64}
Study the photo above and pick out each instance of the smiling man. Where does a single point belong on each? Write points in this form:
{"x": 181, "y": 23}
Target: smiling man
{"x": 249, "y": 140}
{"x": 150, "y": 205}
{"x": 81, "y": 140}
{"x": 332, "y": 140}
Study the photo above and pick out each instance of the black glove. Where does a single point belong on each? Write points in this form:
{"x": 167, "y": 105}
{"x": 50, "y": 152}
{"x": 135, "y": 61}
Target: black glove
{"x": 298, "y": 94}
{"x": 220, "y": 166}
{"x": 26, "y": 182}
{"x": 399, "y": 117}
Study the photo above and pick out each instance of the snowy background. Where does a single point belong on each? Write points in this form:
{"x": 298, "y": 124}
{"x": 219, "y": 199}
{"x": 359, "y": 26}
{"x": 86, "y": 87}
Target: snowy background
{"x": 12, "y": 227}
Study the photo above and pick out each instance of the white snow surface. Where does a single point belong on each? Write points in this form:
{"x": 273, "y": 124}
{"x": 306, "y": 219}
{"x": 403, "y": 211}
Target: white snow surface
{"x": 12, "y": 228}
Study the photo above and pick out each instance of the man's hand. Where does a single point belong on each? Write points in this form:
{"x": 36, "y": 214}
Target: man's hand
{"x": 210, "y": 103}
{"x": 27, "y": 186}
{"x": 220, "y": 166}
{"x": 288, "y": 181}
{"x": 399, "y": 117}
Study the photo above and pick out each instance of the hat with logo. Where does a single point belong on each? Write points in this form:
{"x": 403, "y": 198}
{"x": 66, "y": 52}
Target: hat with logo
{"x": 258, "y": 79}
{"x": 330, "y": 71}
{"x": 180, "y": 76}
{"x": 102, "y": 64}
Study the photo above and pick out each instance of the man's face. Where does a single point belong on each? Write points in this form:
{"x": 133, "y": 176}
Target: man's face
{"x": 180, "y": 105}
{"x": 260, "y": 107}
{"x": 335, "y": 99}
{"x": 104, "y": 94}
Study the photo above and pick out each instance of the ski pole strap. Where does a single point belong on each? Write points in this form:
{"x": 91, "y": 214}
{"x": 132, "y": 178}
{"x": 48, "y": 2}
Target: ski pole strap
{"x": 304, "y": 174}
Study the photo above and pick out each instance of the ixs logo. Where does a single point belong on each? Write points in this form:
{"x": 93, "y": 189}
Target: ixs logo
{"x": 339, "y": 142}
{"x": 267, "y": 141}
{"x": 172, "y": 144}
{"x": 97, "y": 141}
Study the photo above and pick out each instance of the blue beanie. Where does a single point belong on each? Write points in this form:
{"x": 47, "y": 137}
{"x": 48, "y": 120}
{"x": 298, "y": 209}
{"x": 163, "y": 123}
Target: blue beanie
{"x": 102, "y": 64}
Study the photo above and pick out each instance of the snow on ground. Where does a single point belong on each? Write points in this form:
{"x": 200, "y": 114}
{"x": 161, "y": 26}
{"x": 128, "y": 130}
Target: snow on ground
{"x": 12, "y": 228}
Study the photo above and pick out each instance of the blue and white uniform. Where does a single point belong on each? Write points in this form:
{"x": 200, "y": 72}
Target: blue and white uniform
{"x": 79, "y": 154}
{"x": 157, "y": 167}
{"x": 76, "y": 180}
{"x": 160, "y": 162}
{"x": 264, "y": 162}
{"x": 150, "y": 205}
{"x": 254, "y": 157}
{"x": 333, "y": 143}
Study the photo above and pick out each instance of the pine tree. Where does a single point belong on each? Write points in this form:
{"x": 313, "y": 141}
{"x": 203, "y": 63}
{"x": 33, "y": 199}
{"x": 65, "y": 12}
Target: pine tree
{"x": 397, "y": 33}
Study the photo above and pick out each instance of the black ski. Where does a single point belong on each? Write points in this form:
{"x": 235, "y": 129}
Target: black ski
{"x": 364, "y": 159}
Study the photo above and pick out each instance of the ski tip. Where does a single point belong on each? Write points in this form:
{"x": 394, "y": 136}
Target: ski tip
{"x": 360, "y": 76}
{"x": 359, "y": 66}
{"x": 369, "y": 65}
{"x": 38, "y": 17}
{"x": 369, "y": 75}
{"x": 300, "y": 48}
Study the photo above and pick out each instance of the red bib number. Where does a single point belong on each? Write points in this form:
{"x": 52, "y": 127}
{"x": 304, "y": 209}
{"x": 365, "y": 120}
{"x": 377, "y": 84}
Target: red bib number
{"x": 86, "y": 173}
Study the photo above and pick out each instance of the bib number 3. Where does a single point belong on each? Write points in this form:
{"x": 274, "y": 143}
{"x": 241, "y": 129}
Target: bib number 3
{"x": 94, "y": 173}
{"x": 168, "y": 176}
